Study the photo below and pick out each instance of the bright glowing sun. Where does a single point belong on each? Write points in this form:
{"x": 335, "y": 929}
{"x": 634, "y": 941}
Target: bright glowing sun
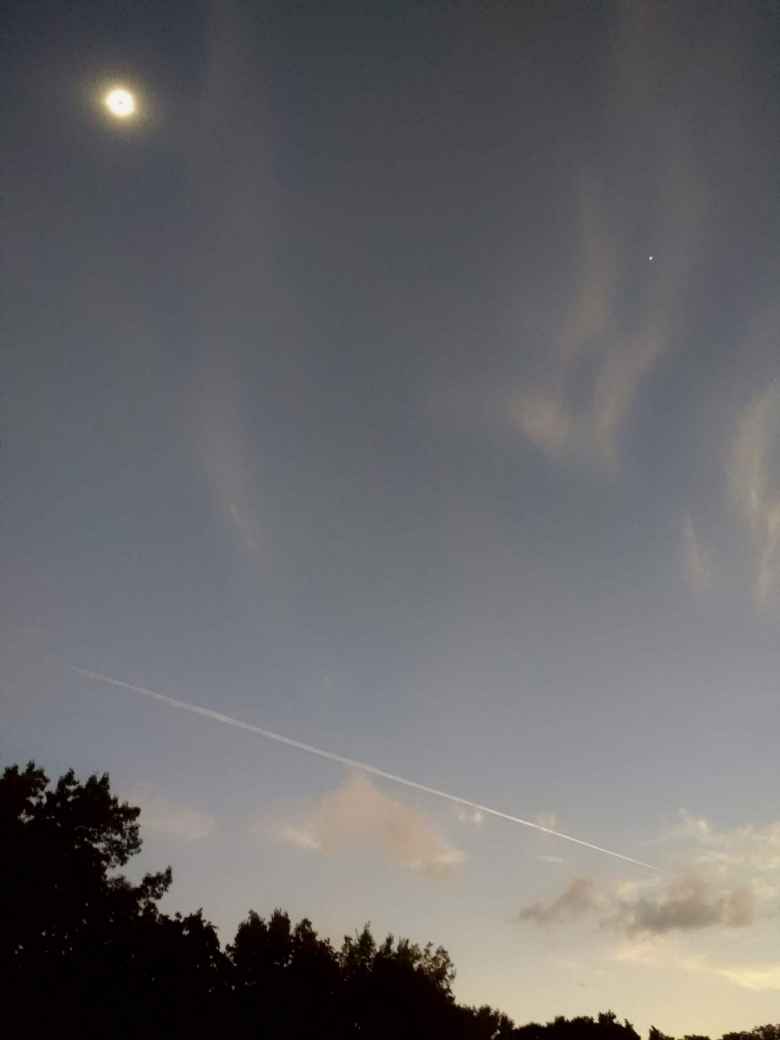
{"x": 120, "y": 103}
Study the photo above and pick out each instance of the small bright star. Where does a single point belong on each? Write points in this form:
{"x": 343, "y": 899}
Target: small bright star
{"x": 651, "y": 258}
{"x": 120, "y": 103}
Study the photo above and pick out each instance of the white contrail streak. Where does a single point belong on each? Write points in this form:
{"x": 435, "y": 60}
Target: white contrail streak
{"x": 353, "y": 763}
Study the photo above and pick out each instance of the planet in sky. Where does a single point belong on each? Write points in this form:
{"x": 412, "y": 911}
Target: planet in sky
{"x": 120, "y": 102}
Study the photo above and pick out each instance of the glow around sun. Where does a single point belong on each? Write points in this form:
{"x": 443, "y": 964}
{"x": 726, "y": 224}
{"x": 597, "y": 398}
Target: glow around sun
{"x": 120, "y": 102}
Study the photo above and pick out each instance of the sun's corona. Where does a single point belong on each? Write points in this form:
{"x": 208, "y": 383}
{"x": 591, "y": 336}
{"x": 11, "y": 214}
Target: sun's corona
{"x": 120, "y": 103}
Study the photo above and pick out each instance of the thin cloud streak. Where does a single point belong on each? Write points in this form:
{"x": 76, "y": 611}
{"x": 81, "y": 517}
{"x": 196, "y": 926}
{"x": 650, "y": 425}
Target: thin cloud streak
{"x": 755, "y": 490}
{"x": 601, "y": 353}
{"x": 758, "y": 978}
{"x": 173, "y": 819}
{"x": 353, "y": 763}
{"x": 697, "y": 564}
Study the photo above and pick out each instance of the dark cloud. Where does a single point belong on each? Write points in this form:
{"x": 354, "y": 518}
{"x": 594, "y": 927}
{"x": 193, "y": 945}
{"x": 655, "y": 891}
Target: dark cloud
{"x": 578, "y": 899}
{"x": 686, "y": 903}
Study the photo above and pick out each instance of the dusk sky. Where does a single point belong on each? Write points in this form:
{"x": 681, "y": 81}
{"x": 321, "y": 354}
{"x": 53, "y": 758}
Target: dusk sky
{"x": 405, "y": 379}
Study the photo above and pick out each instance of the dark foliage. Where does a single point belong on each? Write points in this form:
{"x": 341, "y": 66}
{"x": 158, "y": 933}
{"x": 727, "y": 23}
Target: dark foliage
{"x": 84, "y": 952}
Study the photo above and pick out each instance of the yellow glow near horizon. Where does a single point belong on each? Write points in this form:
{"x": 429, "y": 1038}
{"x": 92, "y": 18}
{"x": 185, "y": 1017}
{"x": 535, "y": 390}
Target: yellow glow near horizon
{"x": 120, "y": 102}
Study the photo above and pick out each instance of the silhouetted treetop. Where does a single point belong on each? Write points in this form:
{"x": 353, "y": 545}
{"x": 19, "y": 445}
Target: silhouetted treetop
{"x": 86, "y": 952}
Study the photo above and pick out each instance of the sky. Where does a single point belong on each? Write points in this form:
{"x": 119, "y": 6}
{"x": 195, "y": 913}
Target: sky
{"x": 404, "y": 379}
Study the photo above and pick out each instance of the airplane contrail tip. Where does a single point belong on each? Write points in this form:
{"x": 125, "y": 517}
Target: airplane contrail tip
{"x": 352, "y": 763}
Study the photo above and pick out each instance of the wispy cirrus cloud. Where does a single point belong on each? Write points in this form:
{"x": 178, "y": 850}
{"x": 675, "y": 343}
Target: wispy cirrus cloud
{"x": 224, "y": 449}
{"x": 757, "y": 976}
{"x": 749, "y": 847}
{"x": 358, "y": 815}
{"x": 755, "y": 488}
{"x": 581, "y": 406}
{"x": 754, "y": 976}
{"x": 625, "y": 309}
{"x": 555, "y": 413}
{"x": 698, "y": 567}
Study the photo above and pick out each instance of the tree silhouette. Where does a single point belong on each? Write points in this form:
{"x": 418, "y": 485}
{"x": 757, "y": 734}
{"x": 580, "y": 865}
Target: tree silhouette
{"x": 656, "y": 1034}
{"x": 81, "y": 944}
{"x": 287, "y": 979}
{"x": 86, "y": 952}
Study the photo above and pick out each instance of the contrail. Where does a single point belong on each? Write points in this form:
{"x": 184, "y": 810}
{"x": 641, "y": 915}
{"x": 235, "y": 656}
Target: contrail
{"x": 353, "y": 763}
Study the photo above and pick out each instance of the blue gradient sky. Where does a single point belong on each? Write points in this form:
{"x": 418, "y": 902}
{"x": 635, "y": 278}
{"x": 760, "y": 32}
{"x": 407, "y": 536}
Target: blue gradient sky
{"x": 340, "y": 395}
